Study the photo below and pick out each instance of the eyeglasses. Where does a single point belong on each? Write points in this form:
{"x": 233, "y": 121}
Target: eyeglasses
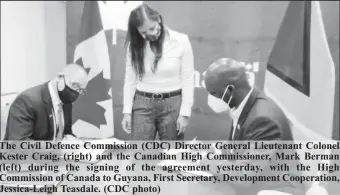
{"x": 76, "y": 87}
{"x": 80, "y": 91}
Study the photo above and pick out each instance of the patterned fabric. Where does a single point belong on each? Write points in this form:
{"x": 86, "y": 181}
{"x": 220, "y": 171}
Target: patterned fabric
{"x": 152, "y": 116}
{"x": 60, "y": 129}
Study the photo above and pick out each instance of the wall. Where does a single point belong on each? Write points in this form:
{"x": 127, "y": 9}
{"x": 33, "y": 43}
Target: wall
{"x": 21, "y": 23}
{"x": 33, "y": 46}
{"x": 33, "y": 35}
{"x": 55, "y": 29}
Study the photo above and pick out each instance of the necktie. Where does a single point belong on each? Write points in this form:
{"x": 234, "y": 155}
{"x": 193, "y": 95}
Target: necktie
{"x": 231, "y": 131}
{"x": 60, "y": 130}
{"x": 232, "y": 134}
{"x": 234, "y": 130}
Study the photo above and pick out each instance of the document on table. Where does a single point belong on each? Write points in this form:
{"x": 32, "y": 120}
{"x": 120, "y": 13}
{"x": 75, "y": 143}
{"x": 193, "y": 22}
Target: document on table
{"x": 34, "y": 184}
{"x": 177, "y": 151}
{"x": 95, "y": 152}
{"x": 101, "y": 142}
{"x": 23, "y": 168}
{"x": 178, "y": 163}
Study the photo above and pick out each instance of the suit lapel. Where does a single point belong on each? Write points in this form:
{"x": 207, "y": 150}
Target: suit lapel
{"x": 67, "y": 117}
{"x": 247, "y": 108}
{"x": 49, "y": 108}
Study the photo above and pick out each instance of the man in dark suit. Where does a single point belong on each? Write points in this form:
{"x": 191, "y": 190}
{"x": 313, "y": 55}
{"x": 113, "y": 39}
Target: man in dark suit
{"x": 44, "y": 112}
{"x": 255, "y": 117}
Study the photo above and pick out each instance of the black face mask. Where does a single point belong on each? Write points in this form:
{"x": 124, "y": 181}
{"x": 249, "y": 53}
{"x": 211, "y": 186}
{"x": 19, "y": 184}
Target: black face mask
{"x": 152, "y": 38}
{"x": 68, "y": 95}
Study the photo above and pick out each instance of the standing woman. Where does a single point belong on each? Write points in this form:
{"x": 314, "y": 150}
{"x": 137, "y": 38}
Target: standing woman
{"x": 158, "y": 88}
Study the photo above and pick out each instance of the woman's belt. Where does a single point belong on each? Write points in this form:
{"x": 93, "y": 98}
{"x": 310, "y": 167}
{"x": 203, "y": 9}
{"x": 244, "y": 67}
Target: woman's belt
{"x": 159, "y": 96}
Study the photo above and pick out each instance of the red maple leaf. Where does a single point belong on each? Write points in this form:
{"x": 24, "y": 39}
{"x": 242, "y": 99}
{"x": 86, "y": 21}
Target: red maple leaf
{"x": 86, "y": 107}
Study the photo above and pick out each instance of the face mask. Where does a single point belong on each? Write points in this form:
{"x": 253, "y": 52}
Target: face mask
{"x": 68, "y": 95}
{"x": 217, "y": 104}
{"x": 155, "y": 36}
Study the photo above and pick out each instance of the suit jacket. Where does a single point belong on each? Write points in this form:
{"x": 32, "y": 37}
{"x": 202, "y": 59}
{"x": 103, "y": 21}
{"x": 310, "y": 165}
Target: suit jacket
{"x": 30, "y": 116}
{"x": 262, "y": 120}
{"x": 261, "y": 111}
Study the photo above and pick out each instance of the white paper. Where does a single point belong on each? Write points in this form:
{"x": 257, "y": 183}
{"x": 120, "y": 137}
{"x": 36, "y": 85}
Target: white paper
{"x": 177, "y": 151}
{"x": 176, "y": 163}
{"x": 94, "y": 152}
{"x": 105, "y": 141}
{"x": 31, "y": 184}
{"x": 271, "y": 192}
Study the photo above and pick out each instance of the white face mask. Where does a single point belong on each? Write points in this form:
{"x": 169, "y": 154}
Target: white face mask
{"x": 217, "y": 104}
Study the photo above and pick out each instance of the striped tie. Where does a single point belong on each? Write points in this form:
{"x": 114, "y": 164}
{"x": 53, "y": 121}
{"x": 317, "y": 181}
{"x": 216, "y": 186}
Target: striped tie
{"x": 60, "y": 129}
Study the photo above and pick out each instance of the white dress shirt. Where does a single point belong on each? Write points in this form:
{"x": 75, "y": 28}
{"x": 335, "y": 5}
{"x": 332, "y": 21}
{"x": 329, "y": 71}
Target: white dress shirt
{"x": 235, "y": 113}
{"x": 175, "y": 70}
{"x": 56, "y": 102}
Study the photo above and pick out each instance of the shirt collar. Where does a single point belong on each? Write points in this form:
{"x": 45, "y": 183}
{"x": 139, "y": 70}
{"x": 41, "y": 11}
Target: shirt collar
{"x": 173, "y": 35}
{"x": 53, "y": 92}
{"x": 169, "y": 32}
{"x": 236, "y": 112}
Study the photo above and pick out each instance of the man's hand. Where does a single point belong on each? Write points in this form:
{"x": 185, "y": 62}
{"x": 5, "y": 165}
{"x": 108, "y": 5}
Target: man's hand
{"x": 126, "y": 123}
{"x": 70, "y": 137}
{"x": 182, "y": 123}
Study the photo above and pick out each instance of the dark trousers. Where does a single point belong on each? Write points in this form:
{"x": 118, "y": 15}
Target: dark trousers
{"x": 151, "y": 116}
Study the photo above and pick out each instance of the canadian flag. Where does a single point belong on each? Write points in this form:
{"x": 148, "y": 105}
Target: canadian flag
{"x": 300, "y": 75}
{"x": 93, "y": 112}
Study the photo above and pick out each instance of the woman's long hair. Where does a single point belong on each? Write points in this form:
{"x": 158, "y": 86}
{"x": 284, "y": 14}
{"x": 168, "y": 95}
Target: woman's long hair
{"x": 135, "y": 43}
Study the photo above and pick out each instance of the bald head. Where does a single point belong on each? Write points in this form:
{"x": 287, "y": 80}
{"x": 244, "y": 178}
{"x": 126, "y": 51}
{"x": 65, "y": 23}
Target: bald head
{"x": 75, "y": 71}
{"x": 74, "y": 76}
{"x": 225, "y": 72}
